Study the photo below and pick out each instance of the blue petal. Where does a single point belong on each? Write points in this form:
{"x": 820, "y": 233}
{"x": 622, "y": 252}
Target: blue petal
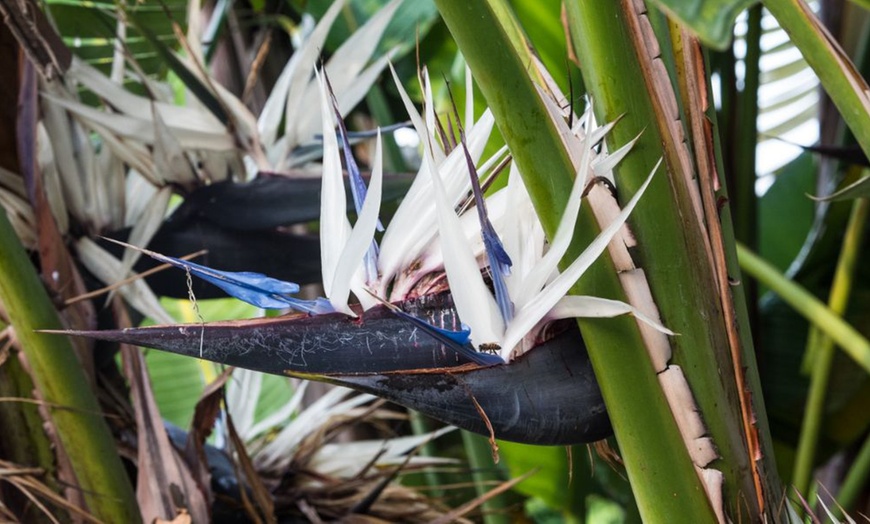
{"x": 254, "y": 288}
{"x": 458, "y": 341}
{"x": 499, "y": 261}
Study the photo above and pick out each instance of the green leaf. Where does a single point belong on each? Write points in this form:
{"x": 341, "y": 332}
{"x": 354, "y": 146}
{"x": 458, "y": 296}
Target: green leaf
{"x": 179, "y": 381}
{"x": 199, "y": 89}
{"x": 553, "y": 482}
{"x": 711, "y": 20}
{"x": 61, "y": 381}
{"x": 412, "y": 20}
{"x": 88, "y": 29}
{"x": 785, "y": 212}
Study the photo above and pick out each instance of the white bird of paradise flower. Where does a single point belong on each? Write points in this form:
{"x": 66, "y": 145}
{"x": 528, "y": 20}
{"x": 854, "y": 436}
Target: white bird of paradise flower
{"x": 426, "y": 236}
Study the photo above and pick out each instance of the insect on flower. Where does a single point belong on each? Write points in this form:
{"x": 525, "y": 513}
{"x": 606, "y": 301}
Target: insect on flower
{"x": 456, "y": 315}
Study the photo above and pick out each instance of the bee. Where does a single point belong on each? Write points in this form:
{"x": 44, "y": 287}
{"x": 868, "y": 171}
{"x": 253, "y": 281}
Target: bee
{"x": 490, "y": 347}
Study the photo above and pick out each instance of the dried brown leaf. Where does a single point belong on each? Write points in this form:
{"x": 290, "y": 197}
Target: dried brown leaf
{"x": 36, "y": 36}
{"x": 265, "y": 505}
{"x": 204, "y": 415}
{"x": 160, "y": 466}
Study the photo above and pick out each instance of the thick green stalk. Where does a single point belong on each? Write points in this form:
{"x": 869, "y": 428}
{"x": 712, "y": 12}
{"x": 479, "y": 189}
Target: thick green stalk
{"x": 848, "y": 338}
{"x": 835, "y": 71}
{"x": 58, "y": 375}
{"x": 24, "y": 441}
{"x": 824, "y": 353}
{"x": 671, "y": 245}
{"x": 663, "y": 478}
{"x": 486, "y": 477}
{"x": 421, "y": 426}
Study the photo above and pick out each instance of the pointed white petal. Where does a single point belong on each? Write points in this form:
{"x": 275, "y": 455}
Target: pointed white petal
{"x": 420, "y": 126}
{"x": 573, "y": 306}
{"x": 603, "y": 165}
{"x": 334, "y": 226}
{"x": 429, "y": 108}
{"x": 281, "y": 416}
{"x": 474, "y": 303}
{"x": 538, "y": 307}
{"x": 142, "y": 130}
{"x": 278, "y": 453}
{"x": 298, "y": 85}
{"x": 350, "y": 458}
{"x": 414, "y": 224}
{"x": 597, "y": 133}
{"x": 242, "y": 393}
{"x": 361, "y": 237}
{"x": 542, "y": 271}
{"x": 176, "y": 117}
{"x": 345, "y": 68}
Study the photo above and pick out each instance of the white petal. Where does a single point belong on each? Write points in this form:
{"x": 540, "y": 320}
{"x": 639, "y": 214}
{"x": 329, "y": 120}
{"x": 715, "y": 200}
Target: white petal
{"x": 298, "y": 85}
{"x": 537, "y": 308}
{"x": 278, "y": 453}
{"x": 334, "y": 226}
{"x": 361, "y": 237}
{"x": 521, "y": 233}
{"x": 414, "y": 224}
{"x": 279, "y": 417}
{"x": 142, "y": 129}
{"x": 573, "y": 306}
{"x": 603, "y": 165}
{"x": 595, "y": 135}
{"x": 419, "y": 125}
{"x": 474, "y": 303}
{"x": 345, "y": 69}
{"x": 348, "y": 459}
{"x": 542, "y": 271}
{"x": 175, "y": 116}
{"x": 429, "y": 107}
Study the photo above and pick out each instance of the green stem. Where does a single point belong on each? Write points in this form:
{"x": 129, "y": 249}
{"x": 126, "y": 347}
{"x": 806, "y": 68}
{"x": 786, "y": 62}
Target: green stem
{"x": 824, "y": 353}
{"x": 855, "y": 480}
{"x": 24, "y": 440}
{"x": 663, "y": 478}
{"x": 834, "y": 69}
{"x": 486, "y": 476}
{"x": 421, "y": 426}
{"x": 672, "y": 239}
{"x": 811, "y": 308}
{"x": 61, "y": 381}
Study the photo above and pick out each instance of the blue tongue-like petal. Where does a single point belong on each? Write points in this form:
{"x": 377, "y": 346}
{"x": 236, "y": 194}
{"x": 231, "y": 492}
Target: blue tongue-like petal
{"x": 256, "y": 289}
{"x": 459, "y": 341}
{"x": 499, "y": 261}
